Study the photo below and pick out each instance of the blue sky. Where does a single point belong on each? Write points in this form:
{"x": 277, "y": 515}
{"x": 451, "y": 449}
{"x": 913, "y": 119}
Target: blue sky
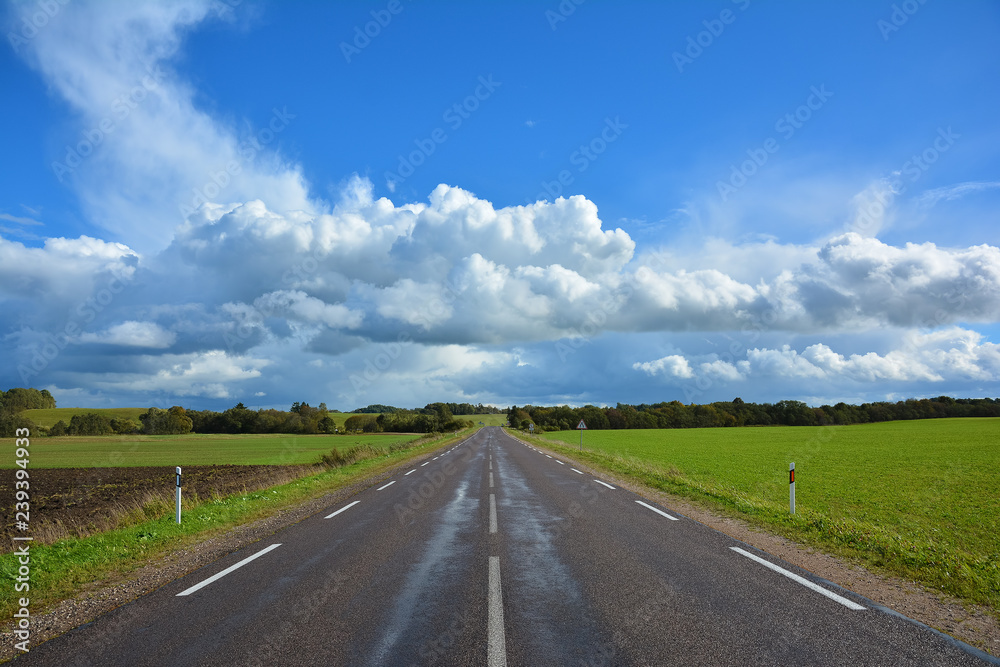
{"x": 208, "y": 202}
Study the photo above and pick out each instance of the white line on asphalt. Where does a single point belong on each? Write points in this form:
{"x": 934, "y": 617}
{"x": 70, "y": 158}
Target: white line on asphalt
{"x": 547, "y": 456}
{"x": 229, "y": 569}
{"x": 411, "y": 472}
{"x": 435, "y": 458}
{"x": 423, "y": 464}
{"x": 345, "y": 507}
{"x": 386, "y": 486}
{"x": 575, "y": 470}
{"x": 493, "y": 513}
{"x": 805, "y": 582}
{"x": 496, "y": 646}
{"x": 660, "y": 512}
{"x": 560, "y": 462}
{"x": 491, "y": 480}
{"x": 604, "y": 483}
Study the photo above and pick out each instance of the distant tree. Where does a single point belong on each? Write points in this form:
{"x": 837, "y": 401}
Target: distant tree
{"x": 59, "y": 428}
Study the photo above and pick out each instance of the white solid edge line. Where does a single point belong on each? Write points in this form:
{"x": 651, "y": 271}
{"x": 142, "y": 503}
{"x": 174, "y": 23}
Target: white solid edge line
{"x": 576, "y": 471}
{"x": 345, "y": 507}
{"x": 660, "y": 512}
{"x": 386, "y": 486}
{"x": 496, "y": 645}
{"x": 493, "y": 513}
{"x": 229, "y": 569}
{"x": 805, "y": 582}
{"x": 411, "y": 472}
{"x": 604, "y": 483}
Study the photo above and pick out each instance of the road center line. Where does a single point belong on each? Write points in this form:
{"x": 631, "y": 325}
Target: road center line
{"x": 491, "y": 480}
{"x": 604, "y": 483}
{"x": 658, "y": 511}
{"x": 493, "y": 513}
{"x": 496, "y": 646}
{"x": 801, "y": 580}
{"x": 411, "y": 472}
{"x": 386, "y": 486}
{"x": 229, "y": 569}
{"x": 576, "y": 471}
{"x": 345, "y": 507}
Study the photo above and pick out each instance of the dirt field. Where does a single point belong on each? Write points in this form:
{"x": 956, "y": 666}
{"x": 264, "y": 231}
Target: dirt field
{"x": 71, "y": 501}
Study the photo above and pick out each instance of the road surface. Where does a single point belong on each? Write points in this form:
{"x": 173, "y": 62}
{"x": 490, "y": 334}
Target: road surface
{"x": 494, "y": 553}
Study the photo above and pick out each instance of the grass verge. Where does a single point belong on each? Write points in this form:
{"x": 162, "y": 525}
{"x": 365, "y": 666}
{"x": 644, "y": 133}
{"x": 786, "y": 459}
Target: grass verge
{"x": 63, "y": 569}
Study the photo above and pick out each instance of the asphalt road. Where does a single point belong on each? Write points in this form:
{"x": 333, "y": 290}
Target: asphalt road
{"x": 494, "y": 553}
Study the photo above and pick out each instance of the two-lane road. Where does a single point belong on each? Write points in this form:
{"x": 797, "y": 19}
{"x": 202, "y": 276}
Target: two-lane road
{"x": 494, "y": 553}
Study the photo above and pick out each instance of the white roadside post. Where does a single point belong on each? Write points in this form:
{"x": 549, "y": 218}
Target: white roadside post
{"x": 178, "y": 494}
{"x": 791, "y": 486}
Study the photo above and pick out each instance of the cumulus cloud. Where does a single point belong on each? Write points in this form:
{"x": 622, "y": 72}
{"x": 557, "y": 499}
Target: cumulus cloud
{"x": 949, "y": 355}
{"x": 210, "y": 374}
{"x": 132, "y": 334}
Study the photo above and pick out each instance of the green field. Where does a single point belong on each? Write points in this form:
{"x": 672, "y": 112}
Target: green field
{"x": 49, "y": 416}
{"x": 488, "y": 420}
{"x": 917, "y": 497}
{"x": 193, "y": 449}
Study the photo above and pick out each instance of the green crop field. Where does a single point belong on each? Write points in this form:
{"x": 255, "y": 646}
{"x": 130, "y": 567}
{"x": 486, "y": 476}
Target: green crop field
{"x": 488, "y": 420}
{"x": 917, "y": 497}
{"x": 49, "y": 416}
{"x": 194, "y": 449}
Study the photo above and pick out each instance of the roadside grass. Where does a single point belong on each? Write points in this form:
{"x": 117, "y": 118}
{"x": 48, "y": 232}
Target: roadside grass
{"x": 194, "y": 449}
{"x": 70, "y": 566}
{"x": 918, "y": 499}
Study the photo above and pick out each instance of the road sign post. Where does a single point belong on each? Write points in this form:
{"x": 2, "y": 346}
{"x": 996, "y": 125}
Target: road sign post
{"x": 178, "y": 494}
{"x": 791, "y": 487}
{"x": 582, "y": 428}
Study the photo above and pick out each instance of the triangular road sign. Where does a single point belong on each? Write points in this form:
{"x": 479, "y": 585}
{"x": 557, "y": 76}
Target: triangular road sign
{"x": 581, "y": 425}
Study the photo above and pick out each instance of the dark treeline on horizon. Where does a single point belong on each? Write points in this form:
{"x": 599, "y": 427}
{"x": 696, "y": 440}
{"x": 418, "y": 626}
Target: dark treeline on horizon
{"x": 738, "y": 413}
{"x": 303, "y": 418}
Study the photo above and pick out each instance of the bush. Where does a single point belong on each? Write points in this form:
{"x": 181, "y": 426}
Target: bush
{"x": 90, "y": 424}
{"x": 125, "y": 426}
{"x": 165, "y": 422}
{"x": 10, "y": 423}
{"x": 59, "y": 428}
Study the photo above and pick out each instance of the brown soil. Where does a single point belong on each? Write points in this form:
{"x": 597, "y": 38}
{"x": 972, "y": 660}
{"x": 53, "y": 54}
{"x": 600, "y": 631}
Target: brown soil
{"x": 78, "y": 501}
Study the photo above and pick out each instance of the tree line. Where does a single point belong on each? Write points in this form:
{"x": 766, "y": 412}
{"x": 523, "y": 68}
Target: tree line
{"x": 739, "y": 413}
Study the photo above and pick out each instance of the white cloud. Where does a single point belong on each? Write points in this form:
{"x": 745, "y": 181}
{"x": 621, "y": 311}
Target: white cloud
{"x": 209, "y": 374}
{"x": 113, "y": 68}
{"x": 673, "y": 365}
{"x": 132, "y": 334}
